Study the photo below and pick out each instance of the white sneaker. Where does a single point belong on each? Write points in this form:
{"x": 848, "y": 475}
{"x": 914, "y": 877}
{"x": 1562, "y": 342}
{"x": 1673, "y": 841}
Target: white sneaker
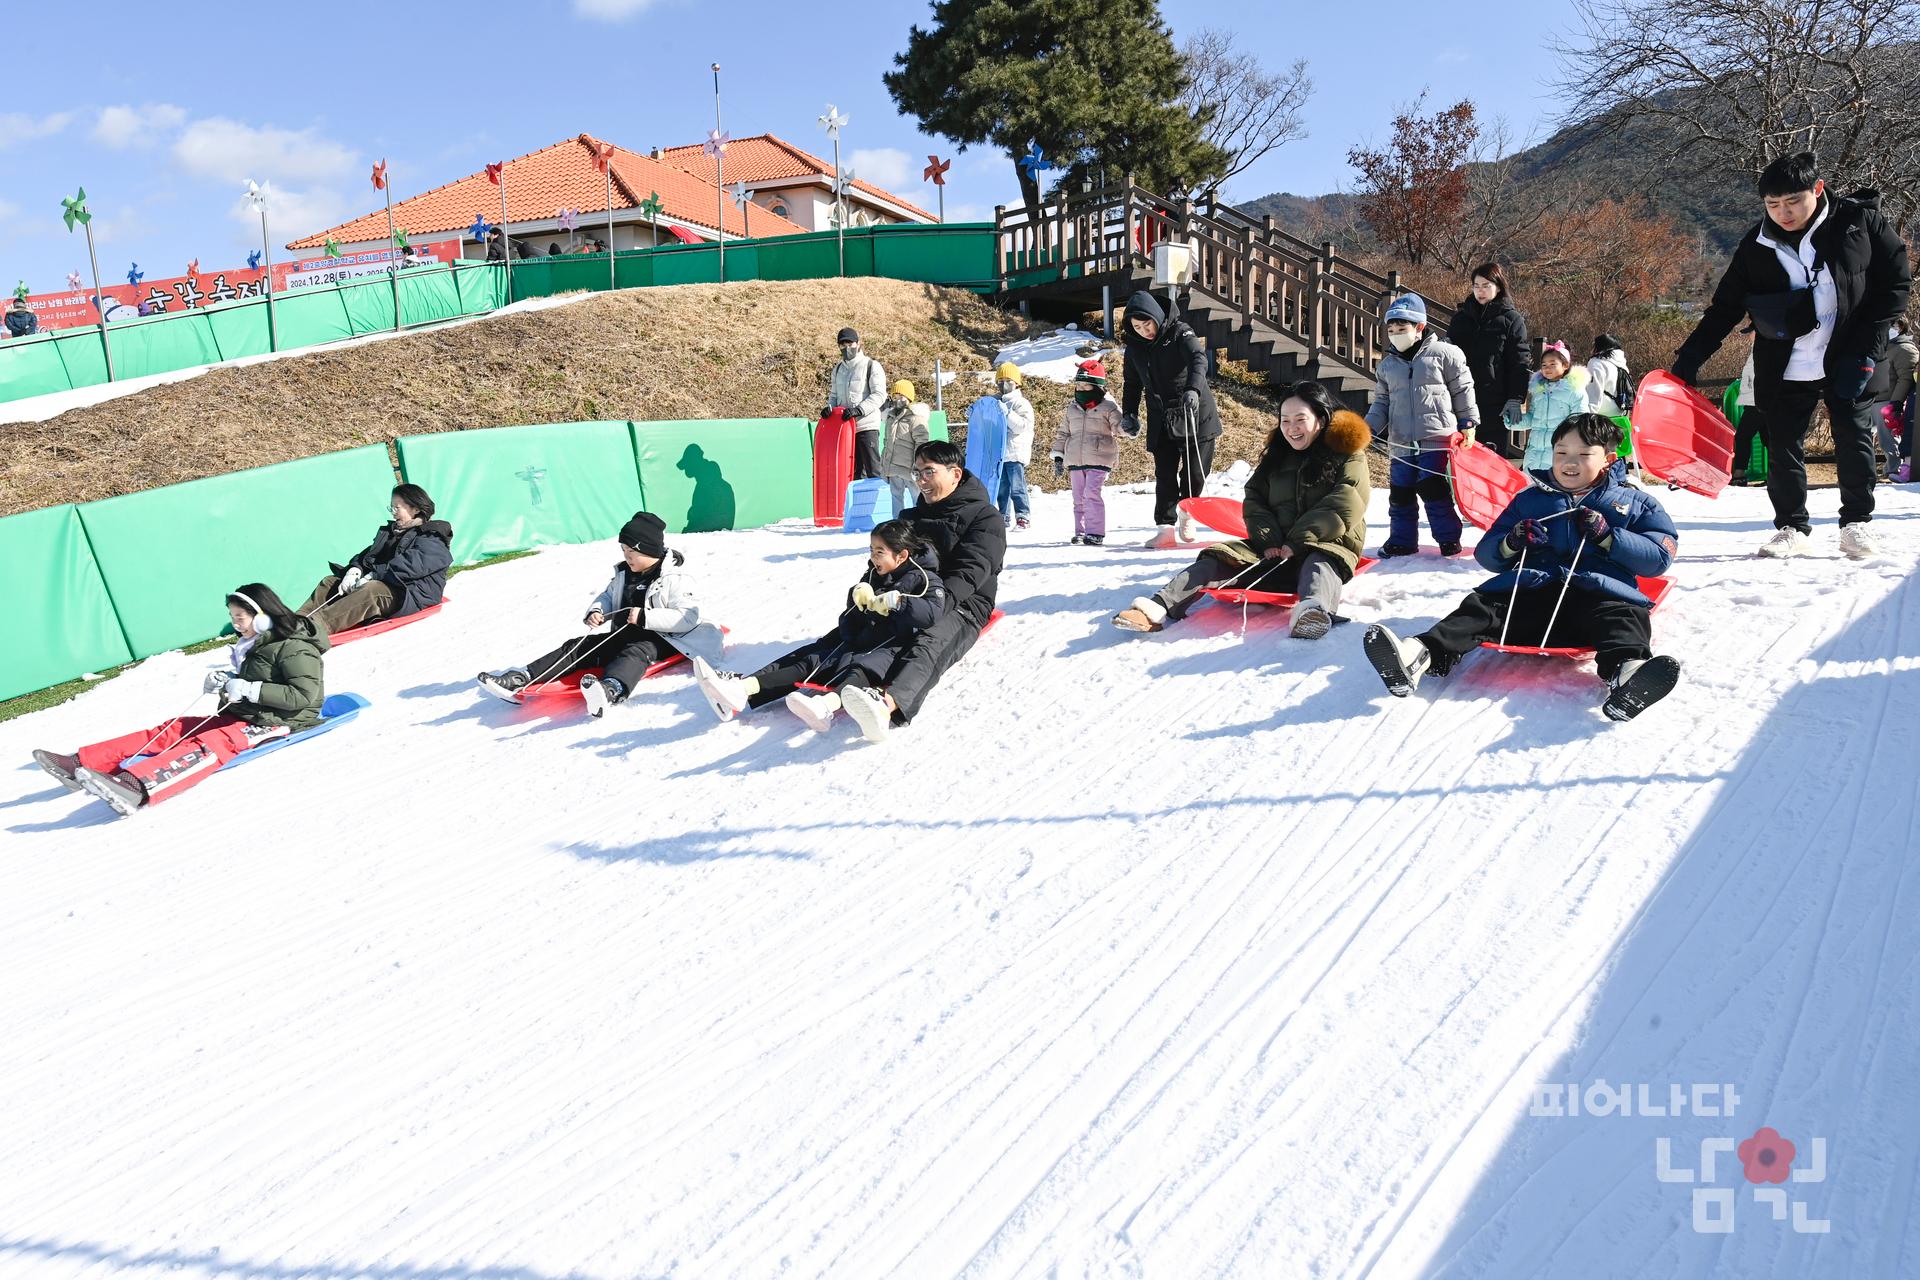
{"x": 1856, "y": 543}
{"x": 815, "y": 710}
{"x": 1310, "y": 620}
{"x": 1400, "y": 663}
{"x": 1189, "y": 531}
{"x": 869, "y": 711}
{"x": 596, "y": 695}
{"x": 1162, "y": 539}
{"x": 727, "y": 695}
{"x": 1785, "y": 543}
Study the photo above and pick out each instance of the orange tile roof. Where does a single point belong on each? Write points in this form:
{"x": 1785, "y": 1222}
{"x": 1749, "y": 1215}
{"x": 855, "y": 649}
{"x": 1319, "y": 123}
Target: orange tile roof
{"x": 556, "y": 177}
{"x": 765, "y": 158}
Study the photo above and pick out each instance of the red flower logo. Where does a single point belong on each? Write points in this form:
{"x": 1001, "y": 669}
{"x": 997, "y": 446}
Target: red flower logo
{"x": 1766, "y": 1157}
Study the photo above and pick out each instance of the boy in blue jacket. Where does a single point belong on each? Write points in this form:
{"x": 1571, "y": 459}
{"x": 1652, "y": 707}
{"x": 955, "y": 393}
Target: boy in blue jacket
{"x": 1582, "y": 520}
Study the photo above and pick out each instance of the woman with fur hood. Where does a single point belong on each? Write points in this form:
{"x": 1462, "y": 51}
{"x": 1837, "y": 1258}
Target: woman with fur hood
{"x": 1306, "y": 513}
{"x": 1556, "y": 393}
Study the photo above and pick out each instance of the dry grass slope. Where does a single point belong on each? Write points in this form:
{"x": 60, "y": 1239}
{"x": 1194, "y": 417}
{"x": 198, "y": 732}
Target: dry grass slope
{"x": 750, "y": 350}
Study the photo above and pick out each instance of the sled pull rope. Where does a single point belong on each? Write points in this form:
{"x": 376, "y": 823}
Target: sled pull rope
{"x": 1514, "y": 599}
{"x": 1578, "y": 547}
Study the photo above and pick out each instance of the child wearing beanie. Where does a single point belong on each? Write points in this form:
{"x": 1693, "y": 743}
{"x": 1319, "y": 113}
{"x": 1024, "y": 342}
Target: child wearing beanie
{"x": 1086, "y": 448}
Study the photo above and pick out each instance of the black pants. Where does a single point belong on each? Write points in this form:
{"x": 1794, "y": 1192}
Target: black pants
{"x": 1493, "y": 429}
{"x": 1615, "y": 629}
{"x": 625, "y": 653}
{"x": 932, "y": 654}
{"x": 1789, "y": 414}
{"x": 805, "y": 666}
{"x": 866, "y": 455}
{"x": 1180, "y": 470}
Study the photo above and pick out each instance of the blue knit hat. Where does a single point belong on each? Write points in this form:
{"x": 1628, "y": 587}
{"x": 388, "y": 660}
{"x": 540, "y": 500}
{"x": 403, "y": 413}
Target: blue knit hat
{"x": 1408, "y": 307}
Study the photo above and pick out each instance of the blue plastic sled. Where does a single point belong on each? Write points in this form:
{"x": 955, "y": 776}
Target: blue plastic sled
{"x": 336, "y": 710}
{"x": 987, "y": 442}
{"x": 869, "y": 503}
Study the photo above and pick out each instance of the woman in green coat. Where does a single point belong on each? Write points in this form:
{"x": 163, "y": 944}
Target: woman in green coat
{"x": 273, "y": 686}
{"x": 1306, "y": 512}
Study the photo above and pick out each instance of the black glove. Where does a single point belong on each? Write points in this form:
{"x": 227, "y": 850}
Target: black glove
{"x": 1059, "y": 466}
{"x": 1530, "y": 533}
{"x": 827, "y": 412}
{"x": 1193, "y": 406}
{"x": 1850, "y": 382}
{"x": 1130, "y": 424}
{"x": 1688, "y": 371}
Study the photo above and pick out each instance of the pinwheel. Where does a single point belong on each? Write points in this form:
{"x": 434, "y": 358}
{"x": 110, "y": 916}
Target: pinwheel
{"x": 936, "y": 170}
{"x": 74, "y": 281}
{"x": 135, "y": 275}
{"x": 602, "y": 155}
{"x": 493, "y": 172}
{"x": 75, "y": 210}
{"x": 716, "y": 143}
{"x": 480, "y": 227}
{"x": 568, "y": 218}
{"x": 1033, "y": 162}
{"x": 651, "y": 206}
{"x": 832, "y": 122}
{"x": 193, "y": 269}
{"x": 20, "y": 293}
{"x": 258, "y": 195}
{"x": 253, "y": 260}
{"x": 400, "y": 237}
{"x": 380, "y": 176}
{"x": 331, "y": 248}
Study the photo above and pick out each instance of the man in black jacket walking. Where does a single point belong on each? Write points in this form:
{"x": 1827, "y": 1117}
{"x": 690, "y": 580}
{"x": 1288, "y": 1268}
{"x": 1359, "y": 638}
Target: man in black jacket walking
{"x": 1822, "y": 278}
{"x": 1167, "y": 364}
{"x": 957, "y": 515}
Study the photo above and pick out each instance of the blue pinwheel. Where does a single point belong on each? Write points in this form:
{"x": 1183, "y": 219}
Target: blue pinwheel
{"x": 480, "y": 227}
{"x": 135, "y": 275}
{"x": 253, "y": 260}
{"x": 1033, "y": 162}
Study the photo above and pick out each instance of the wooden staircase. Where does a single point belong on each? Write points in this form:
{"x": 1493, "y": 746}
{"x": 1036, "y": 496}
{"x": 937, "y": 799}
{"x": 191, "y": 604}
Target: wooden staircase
{"x": 1287, "y": 308}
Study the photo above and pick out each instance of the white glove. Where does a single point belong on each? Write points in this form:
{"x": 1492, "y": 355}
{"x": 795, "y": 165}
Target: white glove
{"x": 217, "y": 680}
{"x": 352, "y": 580}
{"x": 863, "y": 595}
{"x": 238, "y": 690}
{"x": 886, "y": 602}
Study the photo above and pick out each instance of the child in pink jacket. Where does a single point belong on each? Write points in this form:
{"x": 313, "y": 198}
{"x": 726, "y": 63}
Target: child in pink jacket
{"x": 1087, "y": 447}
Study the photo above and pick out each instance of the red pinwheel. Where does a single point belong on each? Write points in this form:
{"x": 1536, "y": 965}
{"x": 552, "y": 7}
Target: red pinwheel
{"x": 602, "y": 155}
{"x": 380, "y": 176}
{"x": 493, "y": 172}
{"x": 193, "y": 269}
{"x": 936, "y": 170}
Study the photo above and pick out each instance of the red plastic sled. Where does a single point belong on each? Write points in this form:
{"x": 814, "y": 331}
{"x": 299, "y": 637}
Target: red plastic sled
{"x": 832, "y": 468}
{"x": 361, "y": 632}
{"x": 1483, "y": 482}
{"x": 1239, "y": 595}
{"x": 1655, "y": 589}
{"x": 571, "y": 683}
{"x": 1226, "y": 515}
{"x": 1680, "y": 437}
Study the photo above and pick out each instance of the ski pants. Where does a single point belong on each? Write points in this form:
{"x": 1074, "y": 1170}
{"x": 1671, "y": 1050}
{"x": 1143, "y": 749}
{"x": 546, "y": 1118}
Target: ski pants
{"x": 932, "y": 654}
{"x": 866, "y": 454}
{"x": 1180, "y": 469}
{"x": 1012, "y": 494}
{"x": 369, "y": 603}
{"x": 1420, "y": 475}
{"x": 1089, "y": 503}
{"x": 1789, "y": 415}
{"x": 179, "y": 753}
{"x": 1311, "y": 576}
{"x": 1615, "y": 629}
{"x": 824, "y": 662}
{"x": 624, "y": 654}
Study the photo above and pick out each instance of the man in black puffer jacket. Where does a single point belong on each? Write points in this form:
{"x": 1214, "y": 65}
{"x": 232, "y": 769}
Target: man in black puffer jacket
{"x": 1823, "y": 278}
{"x": 403, "y": 571}
{"x": 1167, "y": 364}
{"x": 969, "y": 538}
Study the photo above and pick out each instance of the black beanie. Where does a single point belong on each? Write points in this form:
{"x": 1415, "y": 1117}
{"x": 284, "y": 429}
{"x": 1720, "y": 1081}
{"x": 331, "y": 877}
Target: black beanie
{"x": 645, "y": 533}
{"x": 848, "y": 335}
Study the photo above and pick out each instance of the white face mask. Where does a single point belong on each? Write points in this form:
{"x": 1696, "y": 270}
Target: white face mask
{"x": 1404, "y": 341}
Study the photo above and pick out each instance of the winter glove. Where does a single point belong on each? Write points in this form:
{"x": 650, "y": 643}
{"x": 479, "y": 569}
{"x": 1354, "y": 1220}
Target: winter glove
{"x": 352, "y": 580}
{"x": 1593, "y": 525}
{"x": 1688, "y": 371}
{"x": 863, "y": 597}
{"x": 217, "y": 680}
{"x": 238, "y": 690}
{"x": 1193, "y": 406}
{"x": 1528, "y": 533}
{"x": 1850, "y": 383}
{"x": 1059, "y": 465}
{"x": 1513, "y": 412}
{"x": 886, "y": 602}
{"x": 827, "y": 412}
{"x": 1130, "y": 423}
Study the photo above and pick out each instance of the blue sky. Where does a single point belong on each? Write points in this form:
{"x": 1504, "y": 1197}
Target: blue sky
{"x": 163, "y": 110}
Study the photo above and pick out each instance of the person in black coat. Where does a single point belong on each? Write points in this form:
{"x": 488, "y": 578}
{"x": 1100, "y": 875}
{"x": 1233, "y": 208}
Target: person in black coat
{"x": 899, "y": 597}
{"x": 1822, "y": 278}
{"x": 1166, "y": 363}
{"x": 402, "y": 571}
{"x": 1493, "y": 334}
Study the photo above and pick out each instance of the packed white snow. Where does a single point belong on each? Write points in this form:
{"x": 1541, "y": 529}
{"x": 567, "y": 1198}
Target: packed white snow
{"x": 1056, "y": 356}
{"x": 1175, "y": 956}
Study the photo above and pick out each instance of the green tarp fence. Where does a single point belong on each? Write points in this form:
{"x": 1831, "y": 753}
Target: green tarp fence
{"x": 510, "y": 488}
{"x": 725, "y": 474}
{"x": 59, "y": 621}
{"x": 169, "y": 556}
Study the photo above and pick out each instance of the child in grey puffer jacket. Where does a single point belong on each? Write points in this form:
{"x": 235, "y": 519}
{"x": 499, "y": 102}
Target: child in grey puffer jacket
{"x": 1422, "y": 394}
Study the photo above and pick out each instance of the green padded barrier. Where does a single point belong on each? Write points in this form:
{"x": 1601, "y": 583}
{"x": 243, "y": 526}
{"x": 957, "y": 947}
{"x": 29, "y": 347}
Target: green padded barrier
{"x": 369, "y": 304}
{"x": 143, "y": 347}
{"x": 725, "y": 473}
{"x": 953, "y": 255}
{"x": 510, "y": 488}
{"x": 482, "y": 288}
{"x": 427, "y": 293}
{"x": 59, "y": 622}
{"x": 84, "y": 357}
{"x": 799, "y": 257}
{"x": 240, "y": 329}
{"x": 309, "y": 317}
{"x": 635, "y": 270}
{"x": 32, "y": 367}
{"x": 696, "y": 265}
{"x": 937, "y": 425}
{"x": 170, "y": 555}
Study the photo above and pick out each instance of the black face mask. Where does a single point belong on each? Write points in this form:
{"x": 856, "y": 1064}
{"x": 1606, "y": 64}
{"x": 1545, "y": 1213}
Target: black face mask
{"x": 1087, "y": 397}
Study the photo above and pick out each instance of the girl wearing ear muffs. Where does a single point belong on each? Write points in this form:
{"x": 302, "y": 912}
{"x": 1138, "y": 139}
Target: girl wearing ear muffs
{"x": 272, "y": 686}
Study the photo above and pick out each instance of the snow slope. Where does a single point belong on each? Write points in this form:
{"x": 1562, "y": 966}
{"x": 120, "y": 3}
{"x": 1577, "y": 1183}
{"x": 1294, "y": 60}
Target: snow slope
{"x": 1172, "y": 956}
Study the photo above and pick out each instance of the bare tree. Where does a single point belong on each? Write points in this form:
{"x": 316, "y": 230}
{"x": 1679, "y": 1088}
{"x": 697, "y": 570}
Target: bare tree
{"x": 1243, "y": 109}
{"x": 1503, "y": 211}
{"x": 1737, "y": 83}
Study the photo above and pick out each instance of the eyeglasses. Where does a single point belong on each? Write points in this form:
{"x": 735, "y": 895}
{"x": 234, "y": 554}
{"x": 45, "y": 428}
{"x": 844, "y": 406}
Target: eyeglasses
{"x": 928, "y": 473}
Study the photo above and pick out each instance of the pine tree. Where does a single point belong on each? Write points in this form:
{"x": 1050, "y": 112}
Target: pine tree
{"x": 1096, "y": 83}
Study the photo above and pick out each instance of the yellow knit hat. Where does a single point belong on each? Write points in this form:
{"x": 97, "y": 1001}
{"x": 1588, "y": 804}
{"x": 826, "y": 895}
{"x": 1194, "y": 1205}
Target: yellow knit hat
{"x": 903, "y": 389}
{"x": 1008, "y": 372}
